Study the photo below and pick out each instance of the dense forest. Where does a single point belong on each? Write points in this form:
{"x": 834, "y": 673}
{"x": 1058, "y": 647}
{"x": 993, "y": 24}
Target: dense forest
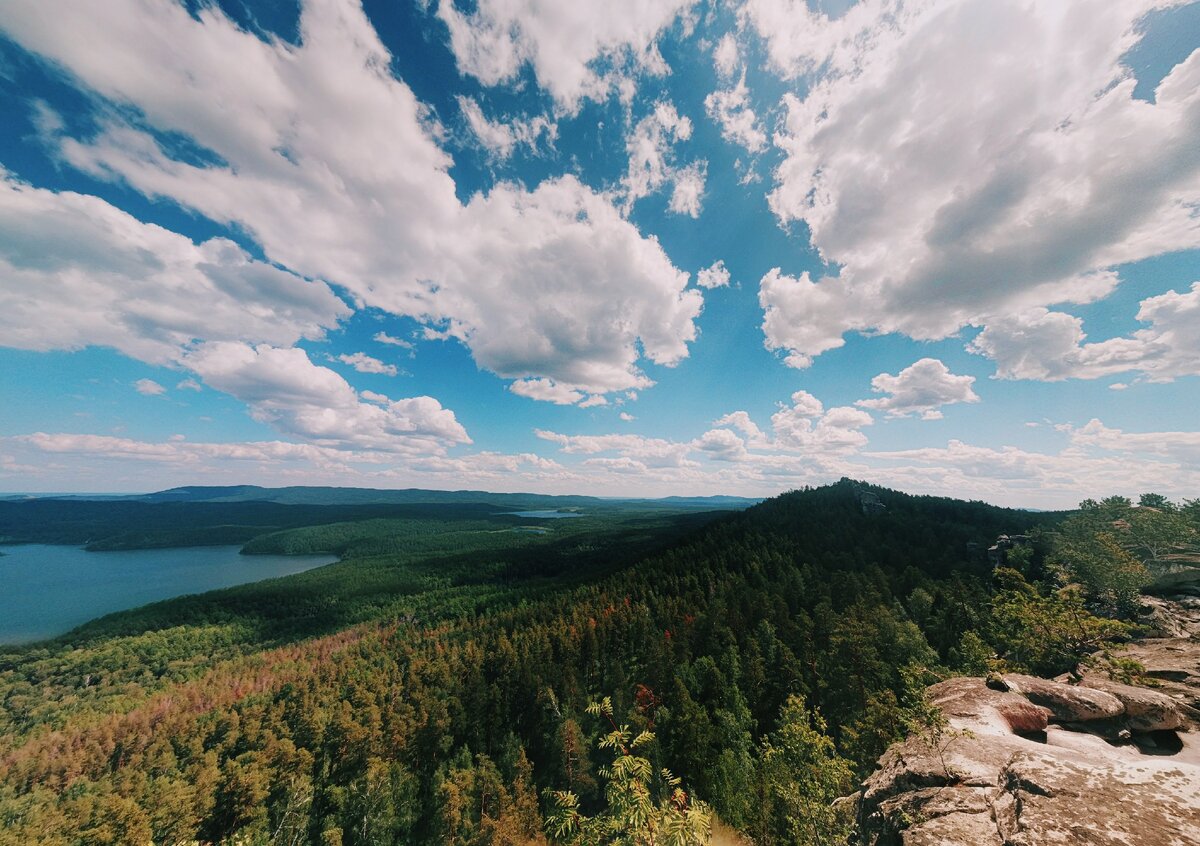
{"x": 636, "y": 678}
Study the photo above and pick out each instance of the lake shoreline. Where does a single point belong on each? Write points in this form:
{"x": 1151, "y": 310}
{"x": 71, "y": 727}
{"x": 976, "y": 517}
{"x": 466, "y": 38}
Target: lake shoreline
{"x": 55, "y": 588}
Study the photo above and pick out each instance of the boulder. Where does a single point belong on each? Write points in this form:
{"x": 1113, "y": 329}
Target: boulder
{"x": 982, "y": 708}
{"x": 1145, "y": 709}
{"x": 1067, "y": 703}
{"x": 1025, "y": 761}
{"x": 980, "y": 782}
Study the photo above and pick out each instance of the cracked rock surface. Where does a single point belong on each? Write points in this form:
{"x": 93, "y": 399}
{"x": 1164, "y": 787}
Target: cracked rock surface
{"x": 1047, "y": 762}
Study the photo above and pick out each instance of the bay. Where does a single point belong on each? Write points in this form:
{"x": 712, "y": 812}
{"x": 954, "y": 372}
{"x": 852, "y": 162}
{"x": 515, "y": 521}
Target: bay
{"x": 47, "y": 590}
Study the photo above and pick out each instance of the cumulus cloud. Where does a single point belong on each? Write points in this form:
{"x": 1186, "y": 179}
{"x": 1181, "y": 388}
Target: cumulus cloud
{"x": 564, "y": 43}
{"x": 726, "y": 56}
{"x": 76, "y": 271}
{"x": 148, "y": 388}
{"x": 364, "y": 363}
{"x": 804, "y": 427}
{"x": 332, "y": 165}
{"x": 954, "y": 180}
{"x": 547, "y": 390}
{"x": 652, "y": 161}
{"x": 921, "y": 388}
{"x": 501, "y": 137}
{"x": 284, "y": 389}
{"x": 189, "y": 385}
{"x": 722, "y": 445}
{"x": 563, "y": 287}
{"x": 807, "y": 426}
{"x": 730, "y": 109}
{"x": 714, "y": 276}
{"x": 741, "y": 421}
{"x": 1050, "y": 345}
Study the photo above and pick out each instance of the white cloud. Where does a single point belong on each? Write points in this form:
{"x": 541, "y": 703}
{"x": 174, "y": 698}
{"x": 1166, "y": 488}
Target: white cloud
{"x": 174, "y": 449}
{"x": 806, "y": 426}
{"x": 385, "y": 338}
{"x": 189, "y": 385}
{"x": 1099, "y": 460}
{"x": 651, "y": 452}
{"x": 726, "y": 56}
{"x": 714, "y": 276}
{"x": 652, "y": 161}
{"x": 688, "y": 193}
{"x": 332, "y": 165}
{"x": 75, "y": 271}
{"x": 921, "y": 388}
{"x": 943, "y": 207}
{"x": 730, "y": 109}
{"x": 364, "y": 363}
{"x": 1049, "y": 345}
{"x": 563, "y": 42}
{"x": 593, "y": 401}
{"x": 1183, "y": 447}
{"x": 741, "y": 421}
{"x": 722, "y": 445}
{"x": 148, "y": 388}
{"x": 617, "y": 465}
{"x": 562, "y": 287}
{"x": 284, "y": 389}
{"x": 501, "y": 137}
{"x": 626, "y": 416}
{"x": 547, "y": 390}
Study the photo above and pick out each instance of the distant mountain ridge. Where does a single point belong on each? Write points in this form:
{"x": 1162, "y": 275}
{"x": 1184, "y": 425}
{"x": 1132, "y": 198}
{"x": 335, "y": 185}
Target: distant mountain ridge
{"x": 324, "y": 495}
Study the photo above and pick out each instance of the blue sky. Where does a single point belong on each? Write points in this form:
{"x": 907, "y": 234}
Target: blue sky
{"x": 641, "y": 247}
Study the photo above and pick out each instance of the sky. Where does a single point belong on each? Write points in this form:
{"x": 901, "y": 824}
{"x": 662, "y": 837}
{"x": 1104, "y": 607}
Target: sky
{"x": 630, "y": 248}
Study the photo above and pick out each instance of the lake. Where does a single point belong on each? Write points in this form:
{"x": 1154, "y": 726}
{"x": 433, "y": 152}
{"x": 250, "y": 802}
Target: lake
{"x": 48, "y": 590}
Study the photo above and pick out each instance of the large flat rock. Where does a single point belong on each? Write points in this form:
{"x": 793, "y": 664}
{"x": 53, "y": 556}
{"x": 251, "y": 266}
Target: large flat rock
{"x": 1044, "y": 762}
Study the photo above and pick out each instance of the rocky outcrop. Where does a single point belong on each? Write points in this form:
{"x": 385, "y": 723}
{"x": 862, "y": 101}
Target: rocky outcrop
{"x": 1026, "y": 761}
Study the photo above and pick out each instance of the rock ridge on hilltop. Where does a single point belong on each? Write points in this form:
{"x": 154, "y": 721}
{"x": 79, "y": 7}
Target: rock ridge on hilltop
{"x": 1027, "y": 761}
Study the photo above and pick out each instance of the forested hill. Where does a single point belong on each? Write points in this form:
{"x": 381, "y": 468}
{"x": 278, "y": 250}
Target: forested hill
{"x": 447, "y": 688}
{"x": 315, "y": 495}
{"x": 201, "y": 515}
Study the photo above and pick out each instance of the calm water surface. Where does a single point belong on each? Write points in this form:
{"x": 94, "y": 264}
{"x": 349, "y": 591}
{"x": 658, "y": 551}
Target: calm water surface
{"x": 48, "y": 590}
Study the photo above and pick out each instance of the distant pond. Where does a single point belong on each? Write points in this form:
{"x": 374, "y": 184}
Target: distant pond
{"x": 544, "y": 515}
{"x": 48, "y": 590}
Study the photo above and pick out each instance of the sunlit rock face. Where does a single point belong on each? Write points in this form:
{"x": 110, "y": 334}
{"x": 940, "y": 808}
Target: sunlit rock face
{"x": 1026, "y": 761}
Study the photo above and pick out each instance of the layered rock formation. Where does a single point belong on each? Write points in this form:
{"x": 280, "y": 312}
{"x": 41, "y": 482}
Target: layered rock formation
{"x": 1026, "y": 761}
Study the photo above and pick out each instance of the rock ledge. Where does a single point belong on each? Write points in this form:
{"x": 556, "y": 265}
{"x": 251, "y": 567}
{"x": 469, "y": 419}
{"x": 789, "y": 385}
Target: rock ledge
{"x": 1047, "y": 762}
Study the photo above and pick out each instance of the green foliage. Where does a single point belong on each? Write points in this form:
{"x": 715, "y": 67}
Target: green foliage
{"x": 1047, "y": 631}
{"x": 1112, "y": 547}
{"x": 800, "y": 775}
{"x": 642, "y": 808}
